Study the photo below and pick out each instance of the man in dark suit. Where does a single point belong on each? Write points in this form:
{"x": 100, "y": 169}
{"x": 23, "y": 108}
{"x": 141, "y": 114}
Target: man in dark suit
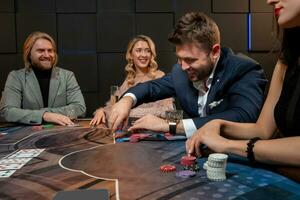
{"x": 210, "y": 82}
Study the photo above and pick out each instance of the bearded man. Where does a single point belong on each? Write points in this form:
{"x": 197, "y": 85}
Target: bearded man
{"x": 209, "y": 82}
{"x": 41, "y": 91}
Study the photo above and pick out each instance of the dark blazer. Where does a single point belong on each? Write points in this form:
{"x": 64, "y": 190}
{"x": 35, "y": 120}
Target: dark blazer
{"x": 22, "y": 98}
{"x": 236, "y": 93}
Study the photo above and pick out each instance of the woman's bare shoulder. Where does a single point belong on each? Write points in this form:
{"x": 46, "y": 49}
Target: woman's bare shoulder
{"x": 159, "y": 74}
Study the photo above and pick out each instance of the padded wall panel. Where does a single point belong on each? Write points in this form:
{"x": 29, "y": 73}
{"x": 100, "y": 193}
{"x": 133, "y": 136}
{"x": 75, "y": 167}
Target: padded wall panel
{"x": 263, "y": 36}
{"x": 230, "y": 6}
{"x": 84, "y": 67}
{"x": 92, "y": 102}
{"x": 158, "y": 27}
{"x": 76, "y": 6}
{"x": 7, "y": 6}
{"x": 233, "y": 28}
{"x": 7, "y": 33}
{"x": 77, "y": 32}
{"x": 114, "y": 31}
{"x": 35, "y": 6}
{"x": 116, "y": 5}
{"x": 267, "y": 61}
{"x": 184, "y": 6}
{"x": 166, "y": 60}
{"x": 111, "y": 71}
{"x": 260, "y": 6}
{"x": 27, "y": 23}
{"x": 154, "y": 6}
{"x": 8, "y": 63}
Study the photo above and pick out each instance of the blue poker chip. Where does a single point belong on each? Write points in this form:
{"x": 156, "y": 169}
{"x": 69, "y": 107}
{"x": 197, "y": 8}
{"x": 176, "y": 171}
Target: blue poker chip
{"x": 185, "y": 174}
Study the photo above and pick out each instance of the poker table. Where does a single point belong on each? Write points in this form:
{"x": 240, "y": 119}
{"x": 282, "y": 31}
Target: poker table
{"x": 88, "y": 158}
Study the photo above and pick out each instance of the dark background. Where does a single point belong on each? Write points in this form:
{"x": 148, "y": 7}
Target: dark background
{"x": 92, "y": 35}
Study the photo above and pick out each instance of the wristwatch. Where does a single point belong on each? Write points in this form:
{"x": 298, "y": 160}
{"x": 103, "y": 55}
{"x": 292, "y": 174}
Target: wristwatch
{"x": 172, "y": 127}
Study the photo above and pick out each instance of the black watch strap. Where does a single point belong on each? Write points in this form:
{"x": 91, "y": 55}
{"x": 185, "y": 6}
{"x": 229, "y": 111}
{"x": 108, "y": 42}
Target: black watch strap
{"x": 172, "y": 128}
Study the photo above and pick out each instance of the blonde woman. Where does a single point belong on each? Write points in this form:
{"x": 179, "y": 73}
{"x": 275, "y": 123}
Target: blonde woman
{"x": 141, "y": 67}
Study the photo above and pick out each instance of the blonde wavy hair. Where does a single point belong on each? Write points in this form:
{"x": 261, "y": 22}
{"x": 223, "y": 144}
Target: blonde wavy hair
{"x": 130, "y": 69}
{"x": 30, "y": 41}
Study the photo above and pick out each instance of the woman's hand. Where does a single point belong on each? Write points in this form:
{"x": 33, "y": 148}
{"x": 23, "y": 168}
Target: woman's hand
{"x": 99, "y": 117}
{"x": 208, "y": 135}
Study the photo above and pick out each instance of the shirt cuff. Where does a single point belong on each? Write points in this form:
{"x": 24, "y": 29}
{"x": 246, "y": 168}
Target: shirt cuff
{"x": 189, "y": 127}
{"x": 132, "y": 96}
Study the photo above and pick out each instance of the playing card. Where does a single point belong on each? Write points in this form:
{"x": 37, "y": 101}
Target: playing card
{"x": 27, "y": 153}
{"x": 6, "y": 173}
{"x": 14, "y": 160}
{"x": 11, "y": 166}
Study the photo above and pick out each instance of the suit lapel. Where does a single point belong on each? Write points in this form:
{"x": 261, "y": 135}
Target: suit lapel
{"x": 34, "y": 87}
{"x": 192, "y": 95}
{"x": 54, "y": 85}
{"x": 217, "y": 80}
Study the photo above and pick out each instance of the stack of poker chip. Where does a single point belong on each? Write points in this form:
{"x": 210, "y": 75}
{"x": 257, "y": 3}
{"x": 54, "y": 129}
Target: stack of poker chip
{"x": 189, "y": 163}
{"x": 216, "y": 167}
{"x": 167, "y": 168}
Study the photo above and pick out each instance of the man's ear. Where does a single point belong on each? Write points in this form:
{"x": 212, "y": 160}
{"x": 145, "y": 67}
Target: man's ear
{"x": 216, "y": 51}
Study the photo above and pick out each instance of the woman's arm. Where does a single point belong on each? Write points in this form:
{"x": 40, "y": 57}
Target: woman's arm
{"x": 274, "y": 151}
{"x": 265, "y": 125}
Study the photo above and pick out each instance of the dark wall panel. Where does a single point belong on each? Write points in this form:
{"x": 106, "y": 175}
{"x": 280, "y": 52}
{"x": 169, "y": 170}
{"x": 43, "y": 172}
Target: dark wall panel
{"x": 85, "y": 68}
{"x": 184, "y": 6}
{"x": 154, "y": 6}
{"x": 166, "y": 60}
{"x": 233, "y": 28}
{"x": 8, "y": 63}
{"x": 7, "y": 6}
{"x": 27, "y": 23}
{"x": 93, "y": 101}
{"x": 92, "y": 35}
{"x": 260, "y": 6}
{"x": 262, "y": 37}
{"x": 267, "y": 61}
{"x": 111, "y": 71}
{"x": 7, "y": 33}
{"x": 156, "y": 26}
{"x": 231, "y": 6}
{"x": 77, "y": 32}
{"x": 35, "y": 6}
{"x": 76, "y": 6}
{"x": 114, "y": 27}
{"x": 116, "y": 5}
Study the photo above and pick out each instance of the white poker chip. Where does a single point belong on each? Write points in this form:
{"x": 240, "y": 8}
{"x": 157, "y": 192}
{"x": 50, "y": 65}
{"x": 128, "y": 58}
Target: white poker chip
{"x": 218, "y": 157}
{"x": 216, "y": 164}
{"x": 205, "y": 166}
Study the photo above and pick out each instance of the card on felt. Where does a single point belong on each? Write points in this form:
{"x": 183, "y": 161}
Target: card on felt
{"x": 14, "y": 160}
{"x": 11, "y": 166}
{"x": 27, "y": 153}
{"x": 6, "y": 173}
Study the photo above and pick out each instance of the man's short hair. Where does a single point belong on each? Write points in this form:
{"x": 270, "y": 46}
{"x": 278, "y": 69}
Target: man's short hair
{"x": 30, "y": 41}
{"x": 196, "y": 27}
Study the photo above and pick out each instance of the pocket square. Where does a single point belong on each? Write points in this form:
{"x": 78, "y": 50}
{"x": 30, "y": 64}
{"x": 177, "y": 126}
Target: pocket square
{"x": 214, "y": 104}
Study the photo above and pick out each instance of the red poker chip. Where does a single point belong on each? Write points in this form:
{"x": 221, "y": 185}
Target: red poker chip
{"x": 167, "y": 168}
{"x": 134, "y": 138}
{"x": 188, "y": 160}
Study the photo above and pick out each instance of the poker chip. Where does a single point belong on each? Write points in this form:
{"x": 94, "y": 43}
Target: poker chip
{"x": 37, "y": 128}
{"x": 185, "y": 174}
{"x": 134, "y": 138}
{"x": 188, "y": 160}
{"x": 167, "y": 168}
{"x": 216, "y": 167}
{"x": 205, "y": 166}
